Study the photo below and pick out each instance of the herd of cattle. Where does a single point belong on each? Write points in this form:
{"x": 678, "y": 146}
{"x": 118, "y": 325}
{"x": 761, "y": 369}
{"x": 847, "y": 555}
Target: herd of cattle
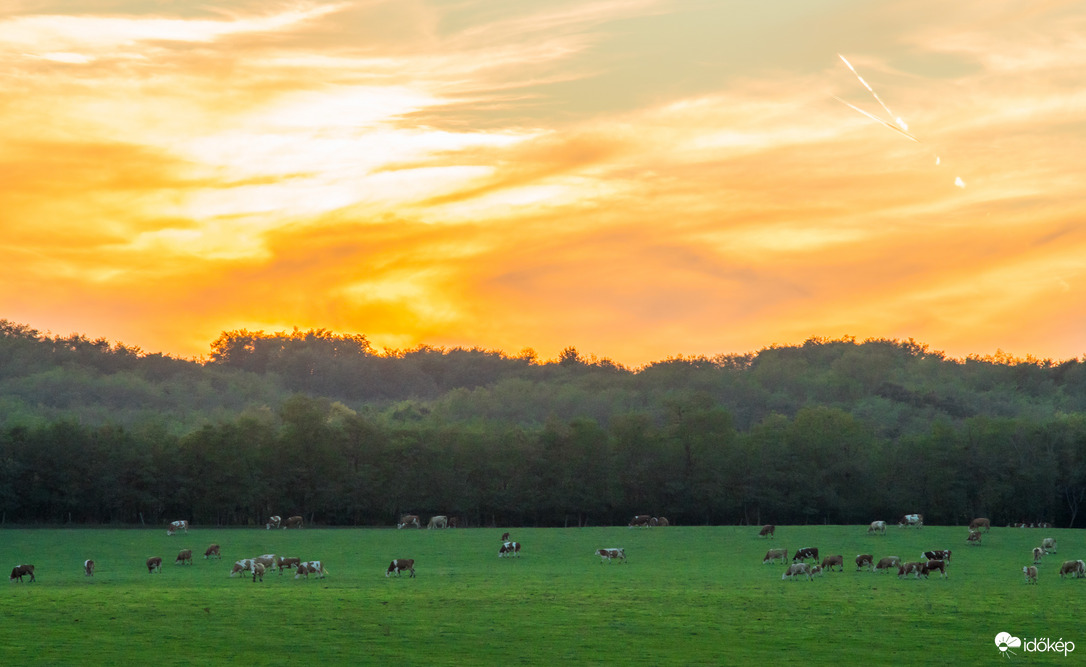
{"x": 932, "y": 561}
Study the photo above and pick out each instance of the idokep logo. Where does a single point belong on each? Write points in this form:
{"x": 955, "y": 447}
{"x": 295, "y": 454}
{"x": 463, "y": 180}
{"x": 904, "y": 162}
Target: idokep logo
{"x": 1004, "y": 641}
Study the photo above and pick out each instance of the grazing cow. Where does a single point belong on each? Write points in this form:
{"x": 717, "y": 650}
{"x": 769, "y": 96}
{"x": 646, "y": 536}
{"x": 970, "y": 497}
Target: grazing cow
{"x": 311, "y": 567}
{"x": 212, "y": 552}
{"x": 912, "y": 568}
{"x": 935, "y": 564}
{"x": 816, "y": 571}
{"x": 938, "y": 554}
{"x": 911, "y": 520}
{"x": 797, "y": 569}
{"x": 184, "y": 556}
{"x": 293, "y": 522}
{"x": 611, "y": 554}
{"x": 767, "y": 530}
{"x": 454, "y": 522}
{"x": 974, "y": 538}
{"x": 865, "y": 559}
{"x": 20, "y": 571}
{"x": 274, "y": 522}
{"x": 176, "y": 526}
{"x": 1049, "y": 545}
{"x": 1075, "y": 568}
{"x": 977, "y": 524}
{"x": 505, "y": 537}
{"x": 439, "y": 521}
{"x": 258, "y": 571}
{"x": 663, "y": 522}
{"x": 877, "y": 528}
{"x": 1037, "y": 553}
{"x": 267, "y": 560}
{"x": 888, "y": 562}
{"x": 399, "y": 565}
{"x": 243, "y": 565}
{"x": 829, "y": 561}
{"x": 287, "y": 563}
{"x": 88, "y": 568}
{"x": 1031, "y": 574}
{"x": 773, "y": 554}
{"x": 509, "y": 549}
{"x": 154, "y": 565}
{"x": 640, "y": 520}
{"x": 805, "y": 553}
{"x": 409, "y": 520}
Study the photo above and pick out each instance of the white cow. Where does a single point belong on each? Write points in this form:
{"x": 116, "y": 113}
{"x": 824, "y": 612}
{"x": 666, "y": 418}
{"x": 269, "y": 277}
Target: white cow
{"x": 176, "y": 526}
{"x": 311, "y": 567}
{"x": 1048, "y": 544}
{"x": 439, "y": 521}
{"x": 611, "y": 554}
{"x": 797, "y": 570}
{"x": 911, "y": 520}
{"x": 274, "y": 522}
{"x": 877, "y": 528}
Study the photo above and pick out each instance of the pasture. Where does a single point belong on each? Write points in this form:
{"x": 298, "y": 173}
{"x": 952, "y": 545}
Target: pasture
{"x": 687, "y": 595}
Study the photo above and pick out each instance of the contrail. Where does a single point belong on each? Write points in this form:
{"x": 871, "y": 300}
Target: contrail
{"x": 871, "y": 90}
{"x": 887, "y": 123}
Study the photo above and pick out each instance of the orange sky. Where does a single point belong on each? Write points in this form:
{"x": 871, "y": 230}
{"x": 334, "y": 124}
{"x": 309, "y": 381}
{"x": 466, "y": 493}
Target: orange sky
{"x": 636, "y": 178}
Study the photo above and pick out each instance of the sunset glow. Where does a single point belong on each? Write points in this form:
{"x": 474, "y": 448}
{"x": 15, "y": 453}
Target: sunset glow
{"x": 636, "y": 178}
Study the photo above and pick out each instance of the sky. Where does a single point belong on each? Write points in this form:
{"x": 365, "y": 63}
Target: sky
{"x": 639, "y": 179}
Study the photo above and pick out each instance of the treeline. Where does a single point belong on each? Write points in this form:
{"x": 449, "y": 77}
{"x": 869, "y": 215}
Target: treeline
{"x": 322, "y": 425}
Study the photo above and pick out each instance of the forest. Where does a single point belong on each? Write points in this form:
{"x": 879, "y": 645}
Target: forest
{"x": 322, "y": 425}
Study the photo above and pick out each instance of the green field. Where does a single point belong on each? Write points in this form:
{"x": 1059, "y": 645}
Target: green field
{"x": 688, "y": 595}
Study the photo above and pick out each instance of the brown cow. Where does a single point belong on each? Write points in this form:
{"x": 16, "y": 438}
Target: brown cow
{"x": 509, "y": 549}
{"x": 773, "y": 554}
{"x": 20, "y": 571}
{"x": 505, "y": 537}
{"x": 663, "y": 522}
{"x": 977, "y": 524}
{"x": 916, "y": 568}
{"x": 400, "y": 564}
{"x": 974, "y": 538}
{"x": 865, "y": 559}
{"x": 642, "y": 520}
{"x": 1031, "y": 574}
{"x": 829, "y": 561}
{"x": 888, "y": 562}
{"x": 311, "y": 567}
{"x": 88, "y": 568}
{"x": 288, "y": 563}
{"x": 293, "y": 522}
{"x": 154, "y": 564}
{"x": 767, "y": 530}
{"x": 176, "y": 526}
{"x": 611, "y": 554}
{"x": 258, "y": 571}
{"x": 409, "y": 520}
{"x": 1075, "y": 568}
{"x": 1038, "y": 552}
{"x": 213, "y": 552}
{"x": 933, "y": 565}
{"x": 184, "y": 556}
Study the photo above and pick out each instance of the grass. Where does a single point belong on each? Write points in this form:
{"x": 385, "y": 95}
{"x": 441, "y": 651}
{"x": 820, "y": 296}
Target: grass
{"x": 687, "y": 596}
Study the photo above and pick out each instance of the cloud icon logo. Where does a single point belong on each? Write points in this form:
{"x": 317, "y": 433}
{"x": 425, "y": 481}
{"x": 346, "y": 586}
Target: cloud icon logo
{"x": 1004, "y": 641}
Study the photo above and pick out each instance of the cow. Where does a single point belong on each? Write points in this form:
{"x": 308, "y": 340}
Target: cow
{"x": 911, "y": 520}
{"x": 88, "y": 568}
{"x": 398, "y": 565}
{"x": 184, "y": 556}
{"x": 914, "y": 567}
{"x": 286, "y": 563}
{"x": 773, "y": 554}
{"x": 258, "y": 571}
{"x": 888, "y": 562}
{"x": 938, "y": 554}
{"x": 977, "y": 524}
{"x": 829, "y": 561}
{"x": 293, "y": 522}
{"x": 663, "y": 522}
{"x": 212, "y": 552}
{"x": 865, "y": 559}
{"x": 1037, "y": 553}
{"x": 641, "y": 520}
{"x": 935, "y": 564}
{"x": 509, "y": 549}
{"x": 1049, "y": 545}
{"x": 797, "y": 569}
{"x": 243, "y": 565}
{"x": 20, "y": 571}
{"x": 311, "y": 567}
{"x": 176, "y": 526}
{"x": 1031, "y": 574}
{"x": 1075, "y": 568}
{"x": 877, "y": 528}
{"x": 274, "y": 522}
{"x": 154, "y": 564}
{"x": 767, "y": 530}
{"x": 505, "y": 537}
{"x": 974, "y": 538}
{"x": 267, "y": 560}
{"x": 409, "y": 520}
{"x": 610, "y": 554}
{"x": 805, "y": 553}
{"x": 816, "y": 571}
{"x": 439, "y": 521}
